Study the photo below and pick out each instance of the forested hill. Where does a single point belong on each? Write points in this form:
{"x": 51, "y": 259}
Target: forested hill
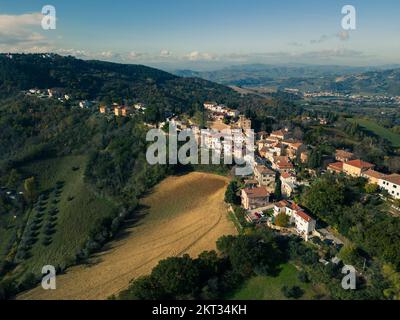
{"x": 108, "y": 82}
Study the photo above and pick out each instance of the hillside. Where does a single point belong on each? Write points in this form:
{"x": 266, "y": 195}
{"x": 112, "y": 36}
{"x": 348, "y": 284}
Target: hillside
{"x": 169, "y": 228}
{"x": 109, "y": 82}
{"x": 370, "y": 80}
{"x": 69, "y": 177}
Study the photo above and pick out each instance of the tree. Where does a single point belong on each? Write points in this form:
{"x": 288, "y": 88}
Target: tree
{"x": 278, "y": 187}
{"x": 224, "y": 244}
{"x": 393, "y": 163}
{"x": 143, "y": 288}
{"x": 298, "y": 134}
{"x": 251, "y": 252}
{"x": 303, "y": 277}
{"x": 371, "y": 188}
{"x": 30, "y": 189}
{"x": 282, "y": 220}
{"x": 231, "y": 194}
{"x": 324, "y": 196}
{"x": 350, "y": 255}
{"x": 13, "y": 178}
{"x": 294, "y": 292}
{"x": 390, "y": 274}
{"x": 177, "y": 276}
{"x": 315, "y": 159}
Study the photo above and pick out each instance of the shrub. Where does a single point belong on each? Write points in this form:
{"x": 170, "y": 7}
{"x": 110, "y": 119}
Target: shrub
{"x": 294, "y": 292}
{"x": 303, "y": 277}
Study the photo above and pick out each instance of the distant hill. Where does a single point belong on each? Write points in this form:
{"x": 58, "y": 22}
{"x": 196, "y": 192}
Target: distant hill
{"x": 372, "y": 80}
{"x": 261, "y": 73}
{"x": 377, "y": 82}
{"x": 107, "y": 81}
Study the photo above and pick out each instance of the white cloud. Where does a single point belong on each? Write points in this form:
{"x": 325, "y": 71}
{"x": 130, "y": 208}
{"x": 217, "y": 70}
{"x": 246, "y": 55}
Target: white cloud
{"x": 165, "y": 53}
{"x": 10, "y": 23}
{"x": 133, "y": 55}
{"x": 200, "y": 56}
{"x": 20, "y": 33}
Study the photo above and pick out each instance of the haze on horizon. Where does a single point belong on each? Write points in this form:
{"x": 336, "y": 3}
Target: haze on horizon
{"x": 207, "y": 34}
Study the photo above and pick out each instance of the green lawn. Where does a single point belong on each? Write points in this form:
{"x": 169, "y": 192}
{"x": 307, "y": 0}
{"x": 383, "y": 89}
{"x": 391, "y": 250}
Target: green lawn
{"x": 372, "y": 126}
{"x": 77, "y": 208}
{"x": 269, "y": 288}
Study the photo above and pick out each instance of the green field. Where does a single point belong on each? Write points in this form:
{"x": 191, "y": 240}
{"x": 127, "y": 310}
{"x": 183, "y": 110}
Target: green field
{"x": 68, "y": 206}
{"x": 269, "y": 288}
{"x": 380, "y": 131}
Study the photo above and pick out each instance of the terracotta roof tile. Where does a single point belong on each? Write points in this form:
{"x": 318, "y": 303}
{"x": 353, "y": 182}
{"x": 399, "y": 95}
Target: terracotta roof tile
{"x": 393, "y": 178}
{"x": 360, "y": 164}
{"x": 256, "y": 192}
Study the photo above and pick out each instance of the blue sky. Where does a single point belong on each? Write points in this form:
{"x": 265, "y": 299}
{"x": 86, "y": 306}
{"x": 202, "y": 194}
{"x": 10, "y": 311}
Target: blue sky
{"x": 207, "y": 34}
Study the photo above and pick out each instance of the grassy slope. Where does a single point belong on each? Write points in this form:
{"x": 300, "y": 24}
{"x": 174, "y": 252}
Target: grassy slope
{"x": 269, "y": 288}
{"x": 372, "y": 126}
{"x": 7, "y": 229}
{"x": 76, "y": 217}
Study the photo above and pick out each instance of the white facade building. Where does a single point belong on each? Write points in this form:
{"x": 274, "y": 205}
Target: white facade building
{"x": 391, "y": 184}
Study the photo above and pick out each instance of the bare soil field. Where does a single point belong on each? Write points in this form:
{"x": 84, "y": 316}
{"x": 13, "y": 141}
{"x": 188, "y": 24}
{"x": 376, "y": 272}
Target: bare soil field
{"x": 183, "y": 214}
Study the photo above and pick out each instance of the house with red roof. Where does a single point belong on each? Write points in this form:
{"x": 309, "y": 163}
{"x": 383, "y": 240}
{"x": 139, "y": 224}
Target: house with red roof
{"x": 355, "y": 168}
{"x": 279, "y": 135}
{"x": 303, "y": 222}
{"x": 253, "y": 198}
{"x": 336, "y": 167}
{"x": 282, "y": 164}
{"x": 373, "y": 176}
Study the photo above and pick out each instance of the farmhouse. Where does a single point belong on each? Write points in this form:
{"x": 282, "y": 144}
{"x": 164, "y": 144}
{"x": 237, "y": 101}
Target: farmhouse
{"x": 391, "y": 184}
{"x": 255, "y": 198}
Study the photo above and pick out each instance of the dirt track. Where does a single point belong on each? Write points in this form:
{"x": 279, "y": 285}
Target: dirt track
{"x": 185, "y": 215}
